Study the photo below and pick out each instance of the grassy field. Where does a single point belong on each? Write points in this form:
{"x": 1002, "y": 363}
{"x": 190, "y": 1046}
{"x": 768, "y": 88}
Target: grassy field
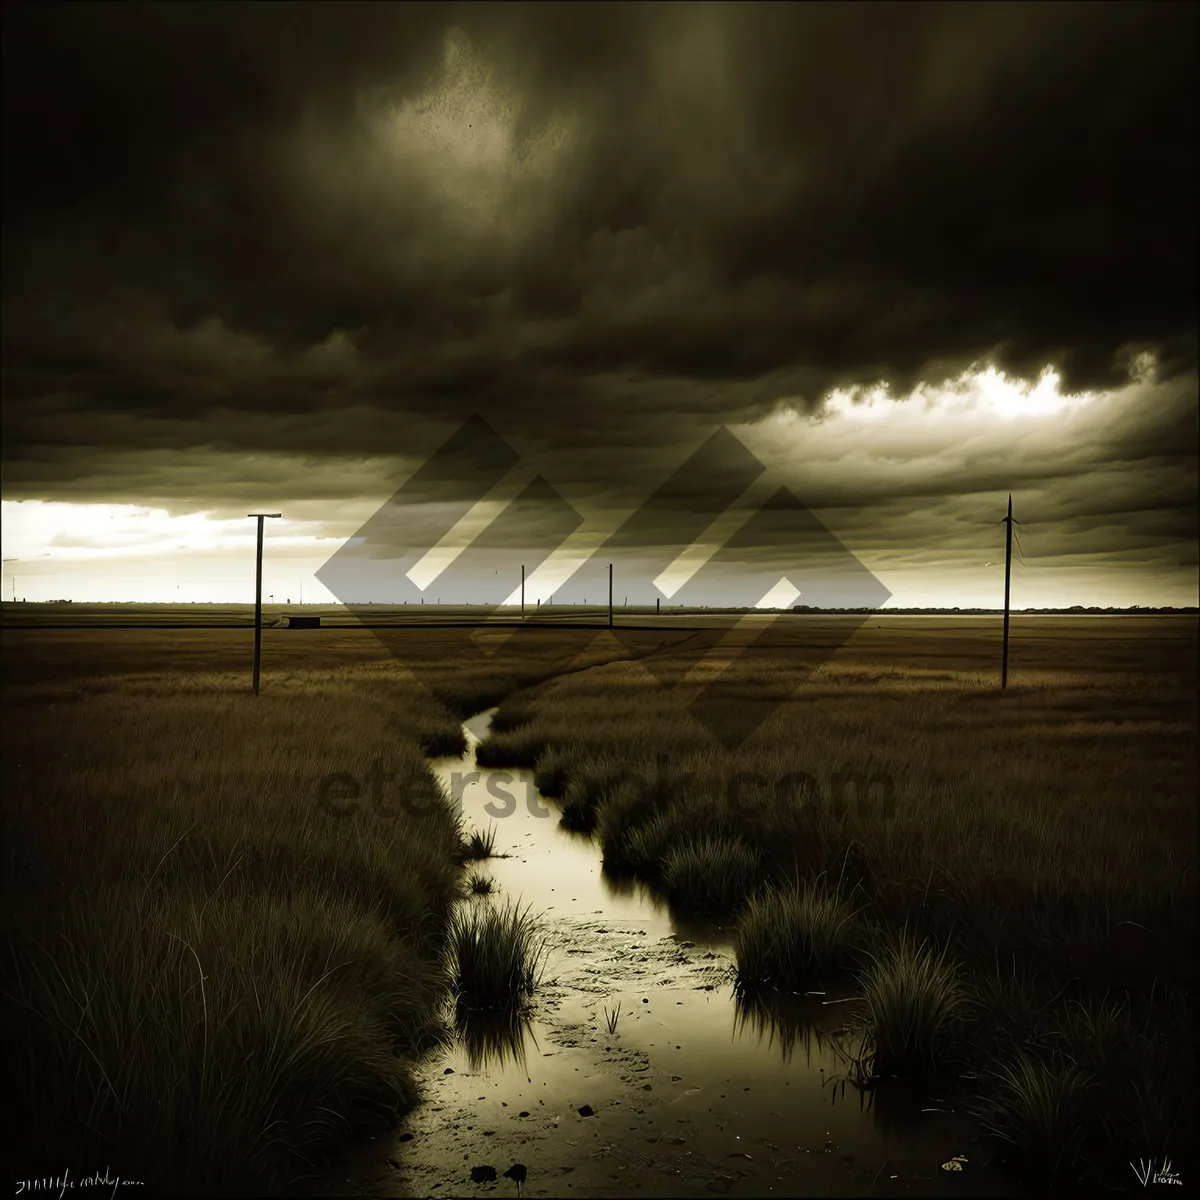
{"x": 1011, "y": 882}
{"x": 1012, "y": 875}
{"x": 215, "y": 966}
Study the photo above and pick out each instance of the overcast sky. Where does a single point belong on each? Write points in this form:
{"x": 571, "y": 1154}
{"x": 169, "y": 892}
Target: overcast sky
{"x": 271, "y": 257}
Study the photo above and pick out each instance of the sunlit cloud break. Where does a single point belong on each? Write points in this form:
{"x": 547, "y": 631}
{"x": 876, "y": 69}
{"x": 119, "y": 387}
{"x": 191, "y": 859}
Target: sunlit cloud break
{"x": 979, "y": 389}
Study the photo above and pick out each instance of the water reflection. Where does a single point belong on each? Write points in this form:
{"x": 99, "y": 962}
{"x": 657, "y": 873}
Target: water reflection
{"x": 493, "y": 1037}
{"x": 783, "y": 1020}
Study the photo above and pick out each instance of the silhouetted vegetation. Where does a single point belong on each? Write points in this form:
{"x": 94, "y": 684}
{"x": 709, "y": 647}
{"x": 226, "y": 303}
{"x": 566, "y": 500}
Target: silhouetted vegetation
{"x": 495, "y": 955}
{"x": 793, "y": 936}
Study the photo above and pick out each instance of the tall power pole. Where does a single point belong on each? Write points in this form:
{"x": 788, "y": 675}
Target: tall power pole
{"x": 522, "y": 591}
{"x": 1008, "y": 521}
{"x": 610, "y": 595}
{"x": 258, "y": 596}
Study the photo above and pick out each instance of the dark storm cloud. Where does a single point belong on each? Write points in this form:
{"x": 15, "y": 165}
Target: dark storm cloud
{"x": 221, "y": 235}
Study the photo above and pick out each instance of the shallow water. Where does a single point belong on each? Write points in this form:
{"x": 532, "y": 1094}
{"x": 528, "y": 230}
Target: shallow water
{"x": 692, "y": 1095}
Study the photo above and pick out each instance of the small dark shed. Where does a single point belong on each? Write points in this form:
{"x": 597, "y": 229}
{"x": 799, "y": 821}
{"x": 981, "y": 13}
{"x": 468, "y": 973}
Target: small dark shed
{"x": 296, "y": 622}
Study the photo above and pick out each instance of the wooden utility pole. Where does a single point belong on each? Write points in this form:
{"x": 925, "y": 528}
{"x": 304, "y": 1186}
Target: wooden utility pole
{"x": 522, "y": 591}
{"x": 610, "y": 595}
{"x": 258, "y": 596}
{"x": 1008, "y": 521}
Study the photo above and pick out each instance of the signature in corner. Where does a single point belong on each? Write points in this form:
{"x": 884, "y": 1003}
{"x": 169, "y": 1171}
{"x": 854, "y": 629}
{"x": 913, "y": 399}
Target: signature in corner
{"x": 1147, "y": 1175}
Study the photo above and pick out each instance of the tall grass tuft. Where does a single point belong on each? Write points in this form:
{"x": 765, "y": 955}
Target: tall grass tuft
{"x": 480, "y": 843}
{"x": 215, "y": 1038}
{"x": 789, "y": 936}
{"x": 550, "y": 771}
{"x": 648, "y": 845}
{"x": 913, "y": 1003}
{"x": 495, "y": 954}
{"x": 479, "y": 885}
{"x": 1039, "y": 1106}
{"x": 711, "y": 877}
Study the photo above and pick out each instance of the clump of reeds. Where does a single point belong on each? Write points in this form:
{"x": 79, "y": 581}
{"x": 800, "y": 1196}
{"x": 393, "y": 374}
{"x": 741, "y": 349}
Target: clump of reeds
{"x": 480, "y": 885}
{"x": 648, "y": 844}
{"x": 480, "y": 843}
{"x": 550, "y": 771}
{"x": 712, "y": 876}
{"x": 495, "y": 954}
{"x": 789, "y": 936}
{"x": 1037, "y": 1103}
{"x": 913, "y": 1003}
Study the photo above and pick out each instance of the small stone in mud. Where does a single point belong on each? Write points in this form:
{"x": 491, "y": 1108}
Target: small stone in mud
{"x": 587, "y": 1111}
{"x": 647, "y": 1088}
{"x": 448, "y": 1071}
{"x": 645, "y": 1001}
{"x": 677, "y": 1141}
{"x": 523, "y": 1113}
{"x": 483, "y": 1174}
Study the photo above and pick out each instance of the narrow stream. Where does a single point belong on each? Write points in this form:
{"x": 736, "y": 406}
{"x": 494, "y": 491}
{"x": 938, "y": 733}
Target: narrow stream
{"x": 691, "y": 1095}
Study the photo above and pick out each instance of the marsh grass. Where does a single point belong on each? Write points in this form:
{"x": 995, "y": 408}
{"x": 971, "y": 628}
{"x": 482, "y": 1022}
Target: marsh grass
{"x": 211, "y": 974}
{"x": 550, "y": 770}
{"x": 646, "y": 846}
{"x": 914, "y": 1003}
{"x": 791, "y": 936}
{"x": 612, "y": 1016}
{"x": 1039, "y": 1105}
{"x": 495, "y": 954}
{"x": 710, "y": 877}
{"x": 444, "y": 743}
{"x": 1051, "y": 826}
{"x": 480, "y": 844}
{"x": 479, "y": 885}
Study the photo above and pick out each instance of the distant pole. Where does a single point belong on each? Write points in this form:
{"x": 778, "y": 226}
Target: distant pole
{"x": 522, "y": 591}
{"x": 610, "y": 595}
{"x": 657, "y": 602}
{"x": 258, "y": 596}
{"x": 1008, "y": 521}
